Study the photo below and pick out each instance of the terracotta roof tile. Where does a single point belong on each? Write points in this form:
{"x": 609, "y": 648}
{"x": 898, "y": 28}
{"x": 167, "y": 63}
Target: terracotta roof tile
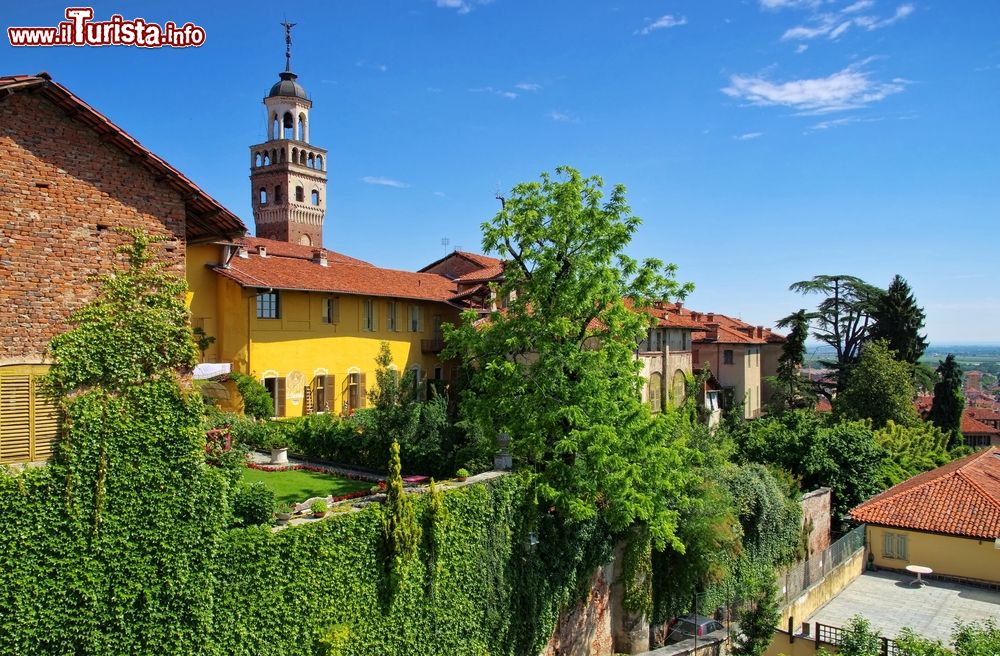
{"x": 491, "y": 272}
{"x": 960, "y": 498}
{"x": 480, "y": 260}
{"x": 286, "y": 249}
{"x": 296, "y": 273}
{"x": 981, "y": 414}
{"x": 972, "y": 426}
{"x": 207, "y": 218}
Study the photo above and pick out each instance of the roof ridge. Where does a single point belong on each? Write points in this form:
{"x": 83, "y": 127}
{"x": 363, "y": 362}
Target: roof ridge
{"x": 930, "y": 480}
{"x": 968, "y": 479}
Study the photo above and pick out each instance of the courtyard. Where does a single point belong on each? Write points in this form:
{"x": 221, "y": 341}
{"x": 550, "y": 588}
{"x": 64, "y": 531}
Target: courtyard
{"x": 890, "y": 602}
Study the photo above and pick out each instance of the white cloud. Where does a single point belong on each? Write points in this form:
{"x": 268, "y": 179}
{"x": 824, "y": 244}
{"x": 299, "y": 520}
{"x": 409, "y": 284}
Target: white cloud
{"x": 528, "y": 86}
{"x": 509, "y": 95}
{"x": 834, "y": 25}
{"x": 384, "y": 182}
{"x": 850, "y": 88}
{"x": 801, "y": 49}
{"x": 462, "y": 6}
{"x": 861, "y": 5}
{"x": 440, "y": 194}
{"x": 749, "y": 136}
{"x": 663, "y": 22}
{"x": 789, "y": 4}
{"x": 562, "y": 117}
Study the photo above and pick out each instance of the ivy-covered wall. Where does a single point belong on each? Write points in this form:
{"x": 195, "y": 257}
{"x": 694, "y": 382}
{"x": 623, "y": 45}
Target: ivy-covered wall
{"x": 124, "y": 543}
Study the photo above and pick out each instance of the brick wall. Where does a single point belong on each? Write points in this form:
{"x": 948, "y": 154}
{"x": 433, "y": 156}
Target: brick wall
{"x": 816, "y": 509}
{"x": 58, "y": 183}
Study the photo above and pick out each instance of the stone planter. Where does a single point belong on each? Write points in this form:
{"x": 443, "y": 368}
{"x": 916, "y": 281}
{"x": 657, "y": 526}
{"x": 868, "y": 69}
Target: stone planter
{"x": 282, "y": 518}
{"x": 279, "y": 456}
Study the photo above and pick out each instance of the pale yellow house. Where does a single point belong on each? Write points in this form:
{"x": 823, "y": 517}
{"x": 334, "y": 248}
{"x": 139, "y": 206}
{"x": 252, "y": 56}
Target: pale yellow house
{"x": 947, "y": 519}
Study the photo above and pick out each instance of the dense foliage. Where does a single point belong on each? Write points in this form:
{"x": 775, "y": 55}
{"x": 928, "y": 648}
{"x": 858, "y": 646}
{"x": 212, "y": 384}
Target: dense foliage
{"x": 123, "y": 544}
{"x": 949, "y": 401}
{"x": 976, "y": 638}
{"x": 556, "y": 368}
{"x": 791, "y": 389}
{"x": 257, "y": 402}
{"x": 253, "y": 504}
{"x": 878, "y": 388}
{"x": 899, "y": 320}
{"x": 757, "y": 620}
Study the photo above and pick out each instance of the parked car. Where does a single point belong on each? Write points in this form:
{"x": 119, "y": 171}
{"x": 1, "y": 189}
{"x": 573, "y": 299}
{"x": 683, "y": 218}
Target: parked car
{"x": 690, "y": 626}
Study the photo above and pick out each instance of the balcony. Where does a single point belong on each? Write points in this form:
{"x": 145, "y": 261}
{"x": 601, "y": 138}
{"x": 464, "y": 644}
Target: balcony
{"x": 432, "y": 346}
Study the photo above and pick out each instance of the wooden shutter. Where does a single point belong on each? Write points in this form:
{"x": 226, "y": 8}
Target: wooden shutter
{"x": 374, "y": 315}
{"x": 331, "y": 393}
{"x": 888, "y": 544}
{"x": 279, "y": 397}
{"x": 15, "y": 418}
{"x": 362, "y": 391}
{"x": 901, "y": 547}
{"x": 45, "y": 421}
{"x": 335, "y": 304}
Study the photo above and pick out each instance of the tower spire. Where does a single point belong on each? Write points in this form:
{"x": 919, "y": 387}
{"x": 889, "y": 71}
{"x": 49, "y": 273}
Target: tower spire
{"x": 288, "y": 44}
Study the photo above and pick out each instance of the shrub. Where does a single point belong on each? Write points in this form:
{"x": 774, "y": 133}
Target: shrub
{"x": 319, "y": 506}
{"x": 253, "y": 504}
{"x": 462, "y": 473}
{"x": 257, "y": 402}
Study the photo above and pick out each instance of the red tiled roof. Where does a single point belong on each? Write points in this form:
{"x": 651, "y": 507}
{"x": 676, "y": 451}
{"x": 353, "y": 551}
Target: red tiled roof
{"x": 981, "y": 414}
{"x": 286, "y": 249}
{"x": 206, "y": 217}
{"x": 297, "y": 273}
{"x": 972, "y": 426}
{"x": 478, "y": 259}
{"x": 728, "y": 329}
{"x": 960, "y": 498}
{"x": 823, "y": 405}
{"x": 491, "y": 272}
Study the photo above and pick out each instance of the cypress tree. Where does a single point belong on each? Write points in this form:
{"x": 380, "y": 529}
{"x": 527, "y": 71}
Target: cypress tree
{"x": 949, "y": 401}
{"x": 898, "y": 320}
{"x": 791, "y": 389}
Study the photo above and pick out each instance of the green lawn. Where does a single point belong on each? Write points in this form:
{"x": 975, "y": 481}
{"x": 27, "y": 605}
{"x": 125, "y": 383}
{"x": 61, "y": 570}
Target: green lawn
{"x": 297, "y": 485}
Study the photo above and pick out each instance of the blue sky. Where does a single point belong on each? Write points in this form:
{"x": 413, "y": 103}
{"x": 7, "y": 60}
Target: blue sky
{"x": 761, "y": 141}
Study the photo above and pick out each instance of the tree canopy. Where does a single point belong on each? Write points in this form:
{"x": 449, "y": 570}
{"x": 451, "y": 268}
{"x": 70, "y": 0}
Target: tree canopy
{"x": 899, "y": 320}
{"x": 791, "y": 389}
{"x": 949, "y": 401}
{"x": 556, "y": 369}
{"x": 880, "y": 388}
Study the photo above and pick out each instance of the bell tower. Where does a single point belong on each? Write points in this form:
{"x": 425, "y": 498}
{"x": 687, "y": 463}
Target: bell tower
{"x": 287, "y": 173}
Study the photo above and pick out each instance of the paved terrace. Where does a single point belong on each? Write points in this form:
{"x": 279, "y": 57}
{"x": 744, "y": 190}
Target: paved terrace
{"x": 890, "y": 603}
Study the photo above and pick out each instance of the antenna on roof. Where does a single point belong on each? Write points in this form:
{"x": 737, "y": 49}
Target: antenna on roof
{"x": 499, "y": 197}
{"x": 444, "y": 242}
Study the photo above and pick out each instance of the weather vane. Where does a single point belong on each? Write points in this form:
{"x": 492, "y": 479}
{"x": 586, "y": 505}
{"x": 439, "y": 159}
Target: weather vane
{"x": 288, "y": 44}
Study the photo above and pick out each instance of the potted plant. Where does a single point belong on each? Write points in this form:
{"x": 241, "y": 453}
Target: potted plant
{"x": 282, "y": 513}
{"x": 277, "y": 442}
{"x": 461, "y": 474}
{"x": 319, "y": 508}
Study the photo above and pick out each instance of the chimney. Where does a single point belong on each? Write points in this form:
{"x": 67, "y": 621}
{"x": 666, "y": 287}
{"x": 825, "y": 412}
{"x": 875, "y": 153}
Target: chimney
{"x": 696, "y": 316}
{"x": 319, "y": 256}
{"x": 241, "y": 251}
{"x": 678, "y": 305}
{"x": 262, "y": 251}
{"x": 710, "y": 316}
{"x": 760, "y": 331}
{"x": 713, "y": 330}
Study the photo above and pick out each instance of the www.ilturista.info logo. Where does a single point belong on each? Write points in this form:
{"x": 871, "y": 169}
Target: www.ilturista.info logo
{"x": 79, "y": 29}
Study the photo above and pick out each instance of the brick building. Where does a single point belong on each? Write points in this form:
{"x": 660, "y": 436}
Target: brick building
{"x": 69, "y": 178}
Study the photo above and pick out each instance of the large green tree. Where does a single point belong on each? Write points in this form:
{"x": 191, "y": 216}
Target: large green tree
{"x": 791, "y": 389}
{"x": 880, "y": 388}
{"x": 556, "y": 369}
{"x": 949, "y": 401}
{"x": 899, "y": 320}
{"x": 842, "y": 320}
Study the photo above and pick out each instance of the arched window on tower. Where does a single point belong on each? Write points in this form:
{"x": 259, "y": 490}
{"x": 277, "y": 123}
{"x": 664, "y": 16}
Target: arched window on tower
{"x": 262, "y": 196}
{"x": 305, "y": 240}
{"x": 302, "y": 127}
{"x": 295, "y": 155}
{"x": 315, "y": 197}
{"x": 277, "y": 193}
{"x": 302, "y": 157}
{"x": 281, "y": 155}
{"x": 274, "y": 156}
{"x": 319, "y": 162}
{"x": 312, "y": 161}
{"x": 300, "y": 194}
{"x": 288, "y": 126}
{"x": 275, "y": 130}
{"x": 267, "y": 158}
{"x": 256, "y": 160}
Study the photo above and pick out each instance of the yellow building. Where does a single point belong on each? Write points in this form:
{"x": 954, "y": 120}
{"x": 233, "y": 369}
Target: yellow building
{"x": 947, "y": 519}
{"x": 309, "y": 323}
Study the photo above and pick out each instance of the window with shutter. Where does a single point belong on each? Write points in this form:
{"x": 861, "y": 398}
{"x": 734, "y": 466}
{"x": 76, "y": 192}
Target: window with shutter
{"x": 29, "y": 419}
{"x": 15, "y": 418}
{"x": 362, "y": 391}
{"x": 331, "y": 310}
